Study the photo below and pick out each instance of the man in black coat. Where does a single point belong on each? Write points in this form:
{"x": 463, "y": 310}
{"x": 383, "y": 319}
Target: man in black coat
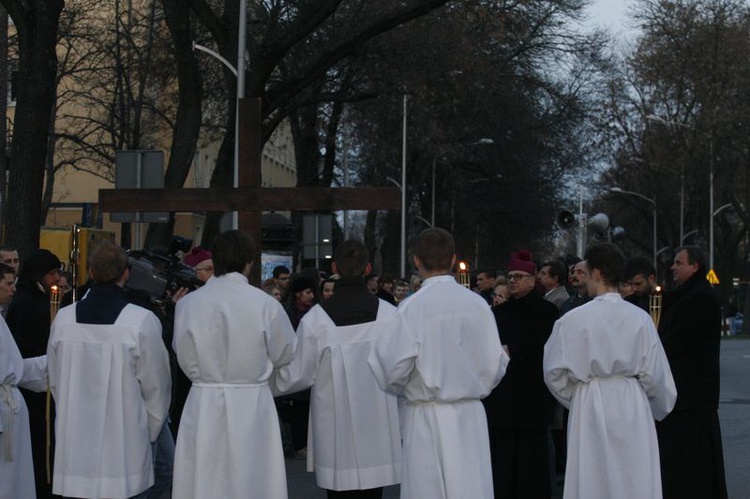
{"x": 690, "y": 449}
{"x": 519, "y": 408}
{"x": 29, "y": 319}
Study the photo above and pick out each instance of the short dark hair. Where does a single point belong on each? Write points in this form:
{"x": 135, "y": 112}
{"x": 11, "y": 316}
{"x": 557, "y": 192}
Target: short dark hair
{"x": 7, "y": 248}
{"x": 278, "y": 270}
{"x": 609, "y": 259}
{"x": 638, "y": 265}
{"x": 232, "y": 251}
{"x": 695, "y": 255}
{"x": 107, "y": 263}
{"x": 6, "y": 269}
{"x": 435, "y": 248}
{"x": 351, "y": 258}
{"x": 557, "y": 270}
{"x": 489, "y": 273}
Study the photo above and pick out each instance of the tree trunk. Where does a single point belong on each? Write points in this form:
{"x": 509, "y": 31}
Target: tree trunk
{"x": 37, "y": 24}
{"x": 188, "y": 122}
{"x": 221, "y": 177}
{"x": 4, "y": 78}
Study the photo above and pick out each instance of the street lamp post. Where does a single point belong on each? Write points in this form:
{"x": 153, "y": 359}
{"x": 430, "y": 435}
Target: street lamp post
{"x": 653, "y": 203}
{"x": 239, "y": 72}
{"x": 403, "y": 195}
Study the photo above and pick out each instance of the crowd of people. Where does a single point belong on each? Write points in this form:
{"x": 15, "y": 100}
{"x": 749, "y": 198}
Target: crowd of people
{"x": 544, "y": 373}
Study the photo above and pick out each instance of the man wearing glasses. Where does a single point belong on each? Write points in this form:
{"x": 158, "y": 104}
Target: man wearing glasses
{"x": 519, "y": 408}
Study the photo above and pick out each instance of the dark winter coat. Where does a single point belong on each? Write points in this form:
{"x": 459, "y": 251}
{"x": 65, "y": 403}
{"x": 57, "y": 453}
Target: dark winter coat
{"x": 521, "y": 400}
{"x": 690, "y": 330}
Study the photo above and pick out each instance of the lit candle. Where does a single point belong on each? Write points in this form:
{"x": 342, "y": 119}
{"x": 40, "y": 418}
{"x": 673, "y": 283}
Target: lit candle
{"x": 654, "y": 305}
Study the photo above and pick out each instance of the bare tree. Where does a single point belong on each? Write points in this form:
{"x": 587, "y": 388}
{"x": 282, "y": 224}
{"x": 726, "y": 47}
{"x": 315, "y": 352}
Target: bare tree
{"x": 678, "y": 105}
{"x": 36, "y": 23}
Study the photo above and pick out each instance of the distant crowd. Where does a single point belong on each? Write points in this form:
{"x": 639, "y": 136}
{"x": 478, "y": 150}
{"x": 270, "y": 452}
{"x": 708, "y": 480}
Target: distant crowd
{"x": 580, "y": 373}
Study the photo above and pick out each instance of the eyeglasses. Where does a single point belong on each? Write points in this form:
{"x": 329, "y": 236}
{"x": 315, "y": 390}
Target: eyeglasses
{"x": 516, "y": 277}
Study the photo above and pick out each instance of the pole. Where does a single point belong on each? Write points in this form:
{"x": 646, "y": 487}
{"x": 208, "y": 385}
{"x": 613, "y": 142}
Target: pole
{"x": 432, "y": 198}
{"x": 403, "y": 195}
{"x": 711, "y": 205}
{"x": 655, "y": 242}
{"x": 138, "y": 180}
{"x": 346, "y": 182}
{"x": 581, "y": 223}
{"x": 241, "y": 42}
{"x": 682, "y": 205}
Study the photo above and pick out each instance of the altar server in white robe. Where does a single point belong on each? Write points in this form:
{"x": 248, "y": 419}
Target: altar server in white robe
{"x": 109, "y": 374}
{"x": 229, "y": 337}
{"x": 442, "y": 352}
{"x": 355, "y": 442}
{"x": 16, "y": 464}
{"x": 604, "y": 361}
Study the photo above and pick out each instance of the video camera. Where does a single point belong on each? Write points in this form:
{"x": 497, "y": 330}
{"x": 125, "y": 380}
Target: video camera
{"x": 162, "y": 275}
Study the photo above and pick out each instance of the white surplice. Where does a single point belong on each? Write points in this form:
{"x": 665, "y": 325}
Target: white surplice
{"x": 229, "y": 337}
{"x": 354, "y": 442}
{"x": 16, "y": 464}
{"x": 111, "y": 384}
{"x": 605, "y": 362}
{"x": 442, "y": 352}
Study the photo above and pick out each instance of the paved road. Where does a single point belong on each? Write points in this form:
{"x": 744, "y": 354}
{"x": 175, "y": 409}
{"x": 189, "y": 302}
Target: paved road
{"x": 734, "y": 412}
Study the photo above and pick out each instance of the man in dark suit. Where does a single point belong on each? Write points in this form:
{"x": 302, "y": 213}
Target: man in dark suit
{"x": 519, "y": 408}
{"x": 691, "y": 455}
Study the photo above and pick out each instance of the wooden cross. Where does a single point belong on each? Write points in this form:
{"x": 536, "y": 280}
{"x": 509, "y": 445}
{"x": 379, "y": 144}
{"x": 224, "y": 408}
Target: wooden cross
{"x": 250, "y": 199}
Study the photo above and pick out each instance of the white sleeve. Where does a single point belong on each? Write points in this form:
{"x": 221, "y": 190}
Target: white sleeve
{"x": 556, "y": 369}
{"x": 280, "y": 338}
{"x": 152, "y": 371}
{"x": 53, "y": 376}
{"x": 34, "y": 374}
{"x": 300, "y": 373}
{"x": 393, "y": 355}
{"x": 655, "y": 376}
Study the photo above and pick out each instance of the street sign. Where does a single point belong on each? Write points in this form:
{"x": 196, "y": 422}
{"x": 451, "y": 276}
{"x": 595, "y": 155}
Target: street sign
{"x": 712, "y": 277}
{"x": 139, "y": 170}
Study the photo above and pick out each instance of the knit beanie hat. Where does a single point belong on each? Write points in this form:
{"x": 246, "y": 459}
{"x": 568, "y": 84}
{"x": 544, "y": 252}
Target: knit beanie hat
{"x": 196, "y": 256}
{"x": 39, "y": 263}
{"x": 521, "y": 260}
{"x": 301, "y": 283}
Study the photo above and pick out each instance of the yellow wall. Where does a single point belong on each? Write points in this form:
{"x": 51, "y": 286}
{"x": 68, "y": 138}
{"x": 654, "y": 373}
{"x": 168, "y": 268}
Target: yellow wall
{"x": 278, "y": 170}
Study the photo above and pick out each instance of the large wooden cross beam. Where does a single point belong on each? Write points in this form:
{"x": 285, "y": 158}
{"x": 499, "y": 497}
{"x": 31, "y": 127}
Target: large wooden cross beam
{"x": 250, "y": 199}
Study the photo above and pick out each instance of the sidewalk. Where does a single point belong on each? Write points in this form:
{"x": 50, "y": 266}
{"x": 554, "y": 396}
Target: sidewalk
{"x": 302, "y": 485}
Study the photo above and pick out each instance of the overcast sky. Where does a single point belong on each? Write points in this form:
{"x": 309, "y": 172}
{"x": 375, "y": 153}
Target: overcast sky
{"x": 611, "y": 14}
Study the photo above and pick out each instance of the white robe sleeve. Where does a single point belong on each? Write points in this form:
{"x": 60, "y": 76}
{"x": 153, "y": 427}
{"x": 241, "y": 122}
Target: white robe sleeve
{"x": 655, "y": 376}
{"x": 280, "y": 339}
{"x": 53, "y": 375}
{"x": 300, "y": 373}
{"x": 393, "y": 355}
{"x": 152, "y": 371}
{"x": 556, "y": 368}
{"x": 34, "y": 374}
